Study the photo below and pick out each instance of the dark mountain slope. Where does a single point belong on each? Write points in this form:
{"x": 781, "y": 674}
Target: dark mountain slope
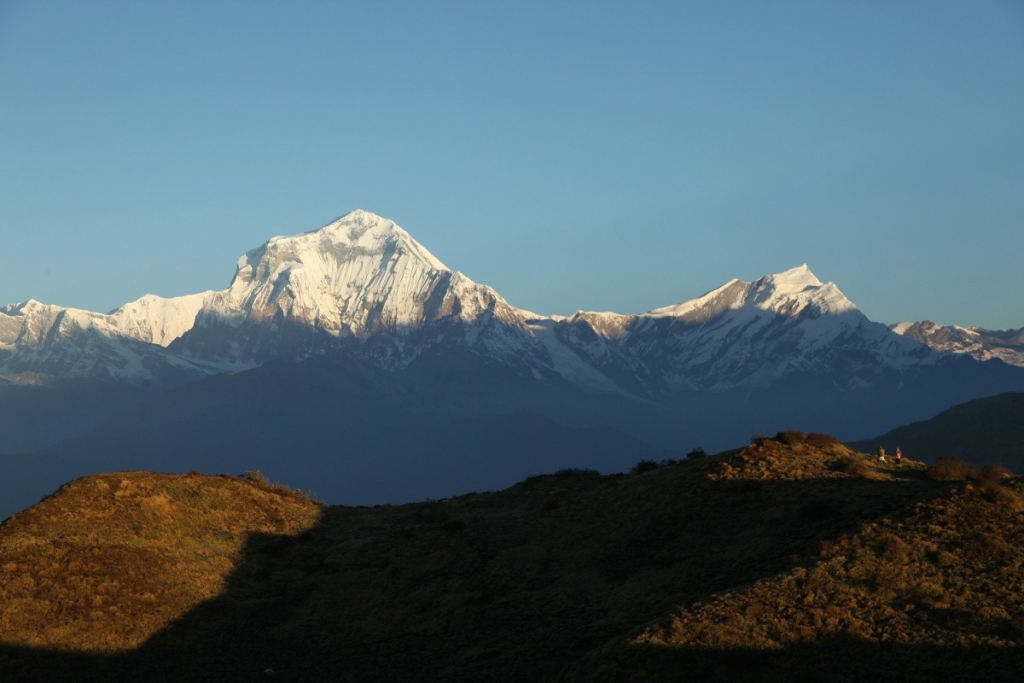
{"x": 983, "y": 431}
{"x": 34, "y": 417}
{"x": 816, "y": 562}
{"x": 351, "y": 432}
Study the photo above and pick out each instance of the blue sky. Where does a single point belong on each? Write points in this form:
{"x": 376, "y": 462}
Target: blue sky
{"x": 572, "y": 155}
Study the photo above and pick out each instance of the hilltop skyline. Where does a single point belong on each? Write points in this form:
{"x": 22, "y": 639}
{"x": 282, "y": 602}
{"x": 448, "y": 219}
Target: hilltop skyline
{"x": 573, "y": 157}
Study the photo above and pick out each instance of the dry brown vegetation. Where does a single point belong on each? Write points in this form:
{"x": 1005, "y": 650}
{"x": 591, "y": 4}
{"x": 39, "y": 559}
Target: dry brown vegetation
{"x": 110, "y": 560}
{"x": 941, "y": 580}
{"x": 793, "y": 559}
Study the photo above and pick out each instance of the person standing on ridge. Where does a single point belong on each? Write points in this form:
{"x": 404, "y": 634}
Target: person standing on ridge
{"x": 899, "y": 456}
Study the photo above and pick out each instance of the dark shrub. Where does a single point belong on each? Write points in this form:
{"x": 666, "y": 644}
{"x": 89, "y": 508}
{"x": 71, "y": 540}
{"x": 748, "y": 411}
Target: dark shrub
{"x": 855, "y": 465}
{"x": 995, "y": 472}
{"x": 791, "y": 437}
{"x": 991, "y": 479}
{"x": 583, "y": 472}
{"x": 256, "y": 478}
{"x": 644, "y": 466}
{"x": 951, "y": 468}
{"x": 696, "y": 453}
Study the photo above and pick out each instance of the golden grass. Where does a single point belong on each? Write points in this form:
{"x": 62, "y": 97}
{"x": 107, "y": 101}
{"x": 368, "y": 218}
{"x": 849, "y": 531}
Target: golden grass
{"x": 792, "y": 559}
{"x": 110, "y": 560}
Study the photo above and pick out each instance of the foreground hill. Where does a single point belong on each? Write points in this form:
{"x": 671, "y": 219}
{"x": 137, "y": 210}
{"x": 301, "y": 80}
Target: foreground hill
{"x": 792, "y": 559}
{"x": 986, "y": 430}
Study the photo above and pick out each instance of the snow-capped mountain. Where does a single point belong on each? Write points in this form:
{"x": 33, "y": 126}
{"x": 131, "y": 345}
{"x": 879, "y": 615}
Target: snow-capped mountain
{"x": 980, "y": 344}
{"x": 359, "y": 279}
{"x": 157, "y": 320}
{"x": 363, "y": 284}
{"x": 40, "y": 343}
{"x": 744, "y": 335}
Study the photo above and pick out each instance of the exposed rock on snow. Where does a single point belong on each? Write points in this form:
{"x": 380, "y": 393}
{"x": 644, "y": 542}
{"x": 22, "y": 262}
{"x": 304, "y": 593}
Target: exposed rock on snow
{"x": 1004, "y": 345}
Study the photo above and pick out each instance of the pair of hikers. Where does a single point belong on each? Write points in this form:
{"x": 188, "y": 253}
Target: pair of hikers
{"x": 898, "y": 458}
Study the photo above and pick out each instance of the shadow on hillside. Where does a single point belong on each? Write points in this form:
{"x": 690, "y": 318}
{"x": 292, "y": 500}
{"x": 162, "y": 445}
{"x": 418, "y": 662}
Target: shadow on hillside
{"x": 837, "y": 660}
{"x": 513, "y": 586}
{"x": 831, "y": 661}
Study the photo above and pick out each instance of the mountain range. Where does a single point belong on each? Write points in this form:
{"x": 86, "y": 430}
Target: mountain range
{"x": 352, "y": 354}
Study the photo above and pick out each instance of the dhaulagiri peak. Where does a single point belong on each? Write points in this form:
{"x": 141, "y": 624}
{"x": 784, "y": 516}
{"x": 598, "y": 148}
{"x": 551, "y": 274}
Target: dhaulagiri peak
{"x": 357, "y": 234}
{"x": 359, "y": 273}
{"x": 365, "y": 230}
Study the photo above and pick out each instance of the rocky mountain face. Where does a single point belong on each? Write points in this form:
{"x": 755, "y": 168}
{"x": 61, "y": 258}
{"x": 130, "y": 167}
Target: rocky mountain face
{"x": 360, "y": 279}
{"x": 743, "y": 336}
{"x": 981, "y": 344}
{"x": 42, "y": 344}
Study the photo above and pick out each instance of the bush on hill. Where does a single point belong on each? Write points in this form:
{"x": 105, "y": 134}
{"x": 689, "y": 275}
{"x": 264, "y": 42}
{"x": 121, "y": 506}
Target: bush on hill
{"x": 645, "y": 465}
{"x": 791, "y": 437}
{"x": 951, "y": 468}
{"x": 854, "y": 465}
{"x": 995, "y": 472}
{"x": 259, "y": 480}
{"x": 574, "y": 472}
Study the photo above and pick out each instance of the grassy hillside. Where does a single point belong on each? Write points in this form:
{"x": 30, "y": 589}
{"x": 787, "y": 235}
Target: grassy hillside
{"x": 793, "y": 559}
{"x": 109, "y": 561}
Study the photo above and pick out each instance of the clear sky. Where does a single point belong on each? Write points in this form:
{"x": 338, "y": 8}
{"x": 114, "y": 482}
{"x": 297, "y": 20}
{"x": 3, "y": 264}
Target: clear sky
{"x": 572, "y": 155}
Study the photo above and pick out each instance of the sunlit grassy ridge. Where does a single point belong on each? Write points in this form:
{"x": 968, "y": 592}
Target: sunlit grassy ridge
{"x": 110, "y": 560}
{"x": 785, "y": 558}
